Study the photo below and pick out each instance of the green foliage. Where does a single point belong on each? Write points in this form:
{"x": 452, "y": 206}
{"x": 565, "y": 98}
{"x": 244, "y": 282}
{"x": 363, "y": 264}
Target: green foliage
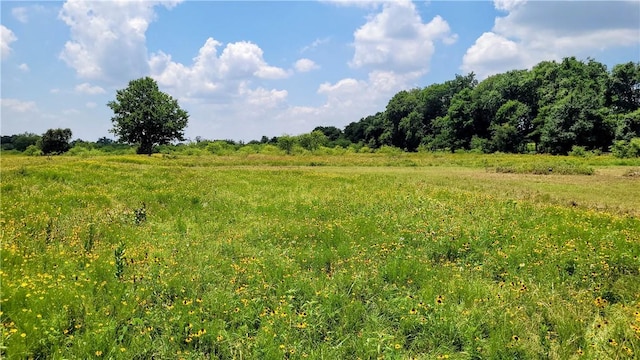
{"x": 624, "y": 87}
{"x": 578, "y": 151}
{"x": 626, "y": 149}
{"x": 287, "y": 143}
{"x": 313, "y": 140}
{"x": 55, "y": 141}
{"x": 33, "y": 150}
{"x": 119, "y": 260}
{"x": 388, "y": 150}
{"x": 555, "y": 105}
{"x": 220, "y": 148}
{"x": 146, "y": 116}
{"x": 19, "y": 142}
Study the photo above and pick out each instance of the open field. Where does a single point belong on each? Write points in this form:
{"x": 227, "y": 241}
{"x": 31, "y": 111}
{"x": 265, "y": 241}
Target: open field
{"x": 397, "y": 256}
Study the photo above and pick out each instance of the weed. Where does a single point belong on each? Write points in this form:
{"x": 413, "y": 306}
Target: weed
{"x": 119, "y": 260}
{"x": 89, "y": 240}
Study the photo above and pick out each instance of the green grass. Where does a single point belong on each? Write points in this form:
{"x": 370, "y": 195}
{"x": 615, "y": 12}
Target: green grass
{"x": 355, "y": 256}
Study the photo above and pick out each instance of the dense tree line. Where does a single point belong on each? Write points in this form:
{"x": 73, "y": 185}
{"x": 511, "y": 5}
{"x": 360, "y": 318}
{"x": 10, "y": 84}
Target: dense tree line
{"x": 550, "y": 108}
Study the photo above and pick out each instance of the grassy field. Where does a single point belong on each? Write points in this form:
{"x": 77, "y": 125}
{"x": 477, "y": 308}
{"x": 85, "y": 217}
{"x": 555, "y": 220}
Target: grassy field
{"x": 398, "y": 256}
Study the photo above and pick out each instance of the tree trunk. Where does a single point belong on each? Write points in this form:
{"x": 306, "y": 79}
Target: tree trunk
{"x": 145, "y": 148}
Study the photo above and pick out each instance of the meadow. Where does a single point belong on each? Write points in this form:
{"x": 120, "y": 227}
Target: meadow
{"x": 394, "y": 256}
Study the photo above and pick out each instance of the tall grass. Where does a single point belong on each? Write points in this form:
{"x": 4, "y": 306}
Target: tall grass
{"x": 269, "y": 257}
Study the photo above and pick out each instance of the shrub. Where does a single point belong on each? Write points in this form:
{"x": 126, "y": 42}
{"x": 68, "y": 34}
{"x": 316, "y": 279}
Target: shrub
{"x": 269, "y": 149}
{"x": 578, "y": 151}
{"x": 389, "y": 150}
{"x": 33, "y": 150}
{"x": 626, "y": 149}
{"x": 220, "y": 148}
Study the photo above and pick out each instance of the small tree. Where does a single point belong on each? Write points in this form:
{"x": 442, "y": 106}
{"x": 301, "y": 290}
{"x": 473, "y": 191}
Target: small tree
{"x": 313, "y": 140}
{"x": 286, "y": 143}
{"x": 55, "y": 141}
{"x": 146, "y": 116}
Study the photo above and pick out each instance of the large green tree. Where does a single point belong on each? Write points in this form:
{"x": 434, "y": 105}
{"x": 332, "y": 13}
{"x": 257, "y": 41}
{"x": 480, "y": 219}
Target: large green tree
{"x": 55, "y": 141}
{"x": 146, "y": 116}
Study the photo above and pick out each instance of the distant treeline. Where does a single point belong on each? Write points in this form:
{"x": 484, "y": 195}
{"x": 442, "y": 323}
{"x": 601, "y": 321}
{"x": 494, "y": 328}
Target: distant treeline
{"x": 548, "y": 109}
{"x": 556, "y": 107}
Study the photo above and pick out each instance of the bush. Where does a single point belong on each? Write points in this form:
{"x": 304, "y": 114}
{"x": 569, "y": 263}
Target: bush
{"x": 33, "y": 150}
{"x": 389, "y": 150}
{"x": 626, "y": 149}
{"x": 249, "y": 149}
{"x": 83, "y": 151}
{"x": 578, "y": 151}
{"x": 269, "y": 149}
{"x": 220, "y": 148}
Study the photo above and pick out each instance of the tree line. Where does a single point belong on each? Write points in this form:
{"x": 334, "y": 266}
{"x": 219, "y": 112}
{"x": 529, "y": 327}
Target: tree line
{"x": 551, "y": 108}
{"x": 556, "y": 108}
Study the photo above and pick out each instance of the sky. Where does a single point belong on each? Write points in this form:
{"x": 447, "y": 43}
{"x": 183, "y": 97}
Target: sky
{"x": 247, "y": 69}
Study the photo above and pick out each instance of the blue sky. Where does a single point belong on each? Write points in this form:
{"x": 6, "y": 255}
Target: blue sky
{"x": 244, "y": 69}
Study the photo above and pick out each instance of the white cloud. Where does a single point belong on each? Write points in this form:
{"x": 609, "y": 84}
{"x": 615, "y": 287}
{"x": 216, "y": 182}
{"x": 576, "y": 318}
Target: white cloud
{"x": 18, "y": 106}
{"x": 54, "y": 91}
{"x": 108, "y": 39}
{"x": 23, "y": 67}
{"x": 315, "y": 44}
{"x": 535, "y": 31}
{"x": 86, "y": 88}
{"x": 493, "y": 53}
{"x": 20, "y": 13}
{"x": 243, "y": 59}
{"x": 507, "y": 5}
{"x": 367, "y": 4}
{"x": 90, "y": 105}
{"x": 263, "y": 98}
{"x": 218, "y": 78}
{"x": 6, "y": 38}
{"x": 305, "y": 65}
{"x": 396, "y": 39}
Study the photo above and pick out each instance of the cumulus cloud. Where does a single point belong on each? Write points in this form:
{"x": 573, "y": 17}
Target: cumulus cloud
{"x": 18, "y": 106}
{"x": 212, "y": 75}
{"x": 305, "y": 65}
{"x": 108, "y": 39}
{"x": 507, "y": 5}
{"x": 397, "y": 39}
{"x": 23, "y": 67}
{"x": 263, "y": 98}
{"x": 243, "y": 59}
{"x": 86, "y": 88}
{"x": 535, "y": 31}
{"x": 6, "y": 38}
